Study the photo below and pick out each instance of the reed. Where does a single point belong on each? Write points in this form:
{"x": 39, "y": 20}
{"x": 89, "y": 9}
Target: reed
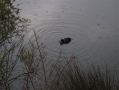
{"x": 64, "y": 74}
{"x": 74, "y": 77}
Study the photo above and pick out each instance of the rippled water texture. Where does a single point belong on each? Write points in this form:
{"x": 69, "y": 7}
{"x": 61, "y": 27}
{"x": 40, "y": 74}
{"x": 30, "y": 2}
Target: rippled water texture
{"x": 93, "y": 26}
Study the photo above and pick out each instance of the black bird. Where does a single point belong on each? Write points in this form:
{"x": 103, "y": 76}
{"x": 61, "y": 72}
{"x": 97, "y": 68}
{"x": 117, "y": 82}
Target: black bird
{"x": 65, "y": 41}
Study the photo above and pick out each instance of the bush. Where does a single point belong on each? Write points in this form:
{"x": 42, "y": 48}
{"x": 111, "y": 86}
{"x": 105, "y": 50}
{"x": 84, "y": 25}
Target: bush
{"x": 11, "y": 24}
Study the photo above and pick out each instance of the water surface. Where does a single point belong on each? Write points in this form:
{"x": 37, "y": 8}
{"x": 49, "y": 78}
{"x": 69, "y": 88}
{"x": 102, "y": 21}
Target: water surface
{"x": 93, "y": 26}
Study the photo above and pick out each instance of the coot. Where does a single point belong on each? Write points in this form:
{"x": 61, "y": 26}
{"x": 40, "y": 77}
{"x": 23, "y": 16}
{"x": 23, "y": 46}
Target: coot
{"x": 65, "y": 41}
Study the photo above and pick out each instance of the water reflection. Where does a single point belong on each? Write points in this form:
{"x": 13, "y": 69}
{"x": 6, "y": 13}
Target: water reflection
{"x": 93, "y": 25}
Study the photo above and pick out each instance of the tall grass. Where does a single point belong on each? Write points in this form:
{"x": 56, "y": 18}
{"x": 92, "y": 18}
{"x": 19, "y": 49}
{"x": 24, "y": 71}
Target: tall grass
{"x": 74, "y": 77}
{"x": 66, "y": 73}
{"x": 8, "y": 62}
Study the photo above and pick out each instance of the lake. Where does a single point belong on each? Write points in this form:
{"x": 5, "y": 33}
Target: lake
{"x": 93, "y": 26}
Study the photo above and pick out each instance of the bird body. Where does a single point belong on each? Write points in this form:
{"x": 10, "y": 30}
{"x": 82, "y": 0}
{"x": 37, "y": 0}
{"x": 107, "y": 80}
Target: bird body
{"x": 65, "y": 41}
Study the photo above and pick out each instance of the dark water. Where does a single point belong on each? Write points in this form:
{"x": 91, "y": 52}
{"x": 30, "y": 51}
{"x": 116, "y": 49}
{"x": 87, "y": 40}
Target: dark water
{"x": 93, "y": 26}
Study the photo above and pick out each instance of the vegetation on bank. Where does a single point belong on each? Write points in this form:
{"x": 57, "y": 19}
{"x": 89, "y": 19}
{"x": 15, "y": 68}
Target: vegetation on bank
{"x": 11, "y": 24}
{"x": 36, "y": 73}
{"x": 30, "y": 66}
{"x": 74, "y": 77}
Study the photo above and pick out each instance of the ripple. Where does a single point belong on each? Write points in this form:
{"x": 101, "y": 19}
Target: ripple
{"x": 51, "y": 32}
